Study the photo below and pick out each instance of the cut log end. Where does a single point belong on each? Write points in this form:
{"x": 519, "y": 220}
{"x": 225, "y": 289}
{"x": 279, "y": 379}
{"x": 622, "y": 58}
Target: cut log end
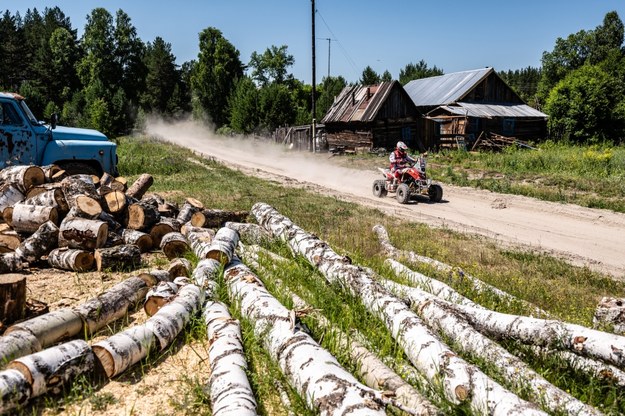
{"x": 12, "y": 297}
{"x": 106, "y": 360}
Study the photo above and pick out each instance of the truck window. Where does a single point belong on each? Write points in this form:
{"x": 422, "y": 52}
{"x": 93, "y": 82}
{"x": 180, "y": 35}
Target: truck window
{"x": 9, "y": 116}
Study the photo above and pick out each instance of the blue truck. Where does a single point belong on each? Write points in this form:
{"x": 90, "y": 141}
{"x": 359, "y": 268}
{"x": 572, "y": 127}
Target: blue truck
{"x": 24, "y": 140}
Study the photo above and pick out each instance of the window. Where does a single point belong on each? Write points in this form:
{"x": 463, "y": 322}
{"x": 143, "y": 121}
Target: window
{"x": 8, "y": 116}
{"x": 508, "y": 126}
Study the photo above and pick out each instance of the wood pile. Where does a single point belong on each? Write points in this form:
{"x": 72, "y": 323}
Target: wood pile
{"x": 494, "y": 141}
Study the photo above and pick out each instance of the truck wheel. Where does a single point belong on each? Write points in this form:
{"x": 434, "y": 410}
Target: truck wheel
{"x": 379, "y": 189}
{"x": 435, "y": 192}
{"x": 403, "y": 194}
{"x": 76, "y": 168}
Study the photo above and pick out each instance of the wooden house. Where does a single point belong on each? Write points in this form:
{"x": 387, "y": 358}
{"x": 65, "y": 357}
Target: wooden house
{"x": 465, "y": 106}
{"x": 363, "y": 118}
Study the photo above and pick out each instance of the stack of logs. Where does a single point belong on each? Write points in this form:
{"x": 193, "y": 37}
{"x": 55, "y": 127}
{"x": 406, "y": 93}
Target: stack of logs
{"x": 81, "y": 222}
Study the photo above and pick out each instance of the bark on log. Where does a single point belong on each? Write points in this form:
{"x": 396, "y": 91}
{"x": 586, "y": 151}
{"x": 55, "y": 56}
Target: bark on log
{"x": 142, "y": 216}
{"x": 9, "y": 239}
{"x": 50, "y": 369}
{"x": 50, "y": 198}
{"x": 113, "y": 240}
{"x": 49, "y": 171}
{"x": 153, "y": 199}
{"x": 12, "y": 297}
{"x": 71, "y": 259}
{"x": 140, "y": 186}
{"x": 28, "y": 218}
{"x": 187, "y": 210}
{"x": 77, "y": 185}
{"x": 223, "y": 245}
{"x": 312, "y": 371}
{"x": 47, "y": 329}
{"x": 44, "y": 187}
{"x": 120, "y": 184}
{"x": 112, "y": 223}
{"x": 460, "y": 380}
{"x": 167, "y": 323}
{"x": 14, "y": 390}
{"x": 115, "y": 202}
{"x": 9, "y": 196}
{"x": 200, "y": 240}
{"x": 158, "y": 296}
{"x": 179, "y": 267}
{"x": 123, "y": 257}
{"x": 82, "y": 233}
{"x": 610, "y": 313}
{"x": 174, "y": 245}
{"x": 40, "y": 243}
{"x": 162, "y": 227}
{"x": 17, "y": 344}
{"x": 105, "y": 184}
{"x": 478, "y": 285}
{"x": 229, "y": 389}
{"x": 120, "y": 351}
{"x": 216, "y": 218}
{"x": 23, "y": 177}
{"x": 441, "y": 316}
{"x": 112, "y": 304}
{"x": 249, "y": 233}
{"x": 138, "y": 238}
{"x": 205, "y": 275}
{"x": 11, "y": 263}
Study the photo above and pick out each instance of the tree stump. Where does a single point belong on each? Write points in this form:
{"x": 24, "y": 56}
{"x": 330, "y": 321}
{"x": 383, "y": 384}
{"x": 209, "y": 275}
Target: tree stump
{"x": 12, "y": 297}
{"x": 124, "y": 257}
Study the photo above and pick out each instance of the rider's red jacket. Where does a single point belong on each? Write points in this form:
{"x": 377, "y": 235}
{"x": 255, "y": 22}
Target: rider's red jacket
{"x": 399, "y": 160}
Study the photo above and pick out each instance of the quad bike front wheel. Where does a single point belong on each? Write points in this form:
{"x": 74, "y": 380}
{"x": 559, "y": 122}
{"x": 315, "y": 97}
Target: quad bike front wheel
{"x": 379, "y": 189}
{"x": 403, "y": 194}
{"x": 435, "y": 192}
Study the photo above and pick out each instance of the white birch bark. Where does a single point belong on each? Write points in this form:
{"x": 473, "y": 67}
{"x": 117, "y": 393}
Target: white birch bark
{"x": 223, "y": 245}
{"x": 460, "y": 380}
{"x": 158, "y": 296}
{"x": 50, "y": 369}
{"x": 440, "y": 316}
{"x": 50, "y": 327}
{"x": 199, "y": 240}
{"x": 311, "y": 370}
{"x": 40, "y": 243}
{"x": 249, "y": 233}
{"x": 14, "y": 390}
{"x": 179, "y": 267}
{"x": 478, "y": 285}
{"x": 167, "y": 323}
{"x": 17, "y": 344}
{"x": 71, "y": 259}
{"x": 229, "y": 388}
{"x": 204, "y": 275}
{"x": 9, "y": 196}
{"x": 119, "y": 352}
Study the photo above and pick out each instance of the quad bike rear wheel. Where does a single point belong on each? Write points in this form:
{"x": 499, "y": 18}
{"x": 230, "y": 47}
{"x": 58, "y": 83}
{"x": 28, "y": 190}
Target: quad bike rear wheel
{"x": 435, "y": 192}
{"x": 403, "y": 193}
{"x": 379, "y": 189}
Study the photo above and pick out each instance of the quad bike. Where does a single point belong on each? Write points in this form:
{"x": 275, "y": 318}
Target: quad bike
{"x": 412, "y": 182}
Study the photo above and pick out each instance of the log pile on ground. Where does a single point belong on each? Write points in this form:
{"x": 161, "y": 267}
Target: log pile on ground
{"x": 78, "y": 224}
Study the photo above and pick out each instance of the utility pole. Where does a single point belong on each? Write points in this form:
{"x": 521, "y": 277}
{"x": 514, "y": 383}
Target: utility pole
{"x": 314, "y": 80}
{"x": 329, "y": 40}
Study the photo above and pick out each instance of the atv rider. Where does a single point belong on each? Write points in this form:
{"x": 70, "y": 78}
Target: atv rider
{"x": 400, "y": 161}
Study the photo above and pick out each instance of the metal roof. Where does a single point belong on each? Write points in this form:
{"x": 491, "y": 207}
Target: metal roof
{"x": 358, "y": 103}
{"x": 491, "y": 110}
{"x": 444, "y": 89}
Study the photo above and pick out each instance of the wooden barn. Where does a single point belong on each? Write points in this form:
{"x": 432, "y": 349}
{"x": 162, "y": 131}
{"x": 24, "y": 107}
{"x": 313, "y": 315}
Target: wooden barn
{"x": 464, "y": 107}
{"x": 363, "y": 118}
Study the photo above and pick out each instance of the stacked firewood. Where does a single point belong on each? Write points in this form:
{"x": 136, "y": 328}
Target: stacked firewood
{"x": 84, "y": 222}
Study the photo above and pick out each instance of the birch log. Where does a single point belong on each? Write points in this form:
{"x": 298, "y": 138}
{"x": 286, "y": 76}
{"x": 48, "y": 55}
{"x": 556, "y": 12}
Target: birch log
{"x": 40, "y": 243}
{"x": 11, "y": 263}
{"x": 115, "y": 202}
{"x": 14, "y": 390}
{"x": 478, "y": 285}
{"x": 204, "y": 275}
{"x": 223, "y": 245}
{"x": 112, "y": 304}
{"x": 78, "y": 185}
{"x": 162, "y": 227}
{"x": 199, "y": 241}
{"x": 71, "y": 259}
{"x": 249, "y": 233}
{"x": 122, "y": 257}
{"x": 142, "y": 216}
{"x": 460, "y": 381}
{"x": 119, "y": 352}
{"x": 312, "y": 371}
{"x": 229, "y": 389}
{"x": 179, "y": 267}
{"x": 82, "y": 233}
{"x": 49, "y": 171}
{"x": 158, "y": 296}
{"x": 610, "y": 313}
{"x": 9, "y": 240}
{"x": 140, "y": 186}
{"x": 51, "y": 198}
{"x": 187, "y": 210}
{"x": 215, "y": 218}
{"x": 9, "y": 196}
{"x": 440, "y": 316}
{"x": 17, "y": 344}
{"x": 138, "y": 238}
{"x": 174, "y": 245}
{"x": 23, "y": 177}
{"x": 27, "y": 218}
{"x": 50, "y": 369}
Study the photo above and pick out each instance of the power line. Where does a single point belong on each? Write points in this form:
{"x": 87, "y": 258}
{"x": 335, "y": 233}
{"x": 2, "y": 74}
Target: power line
{"x": 349, "y": 58}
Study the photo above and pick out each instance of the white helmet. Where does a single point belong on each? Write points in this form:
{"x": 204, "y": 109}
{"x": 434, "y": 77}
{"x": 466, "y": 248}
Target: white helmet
{"x": 402, "y": 146}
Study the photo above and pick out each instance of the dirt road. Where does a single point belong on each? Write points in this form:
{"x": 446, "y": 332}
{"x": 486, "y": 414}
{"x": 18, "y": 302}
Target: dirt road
{"x": 583, "y": 236}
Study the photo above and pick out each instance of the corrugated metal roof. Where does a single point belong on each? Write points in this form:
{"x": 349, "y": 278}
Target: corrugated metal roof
{"x": 492, "y": 110}
{"x": 444, "y": 89}
{"x": 358, "y": 103}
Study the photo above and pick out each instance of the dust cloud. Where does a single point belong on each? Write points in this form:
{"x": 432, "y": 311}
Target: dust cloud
{"x": 263, "y": 156}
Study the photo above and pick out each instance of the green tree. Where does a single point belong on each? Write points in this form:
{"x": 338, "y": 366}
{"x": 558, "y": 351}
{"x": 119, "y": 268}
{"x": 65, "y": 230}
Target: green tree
{"x": 271, "y": 66}
{"x": 276, "y": 107}
{"x": 11, "y": 73}
{"x": 417, "y": 71}
{"x": 585, "y": 106}
{"x": 129, "y": 51}
{"x": 214, "y": 76}
{"x": 369, "y": 77}
{"x": 524, "y": 82}
{"x": 330, "y": 88}
{"x": 244, "y": 106}
{"x": 162, "y": 77}
{"x": 386, "y": 76}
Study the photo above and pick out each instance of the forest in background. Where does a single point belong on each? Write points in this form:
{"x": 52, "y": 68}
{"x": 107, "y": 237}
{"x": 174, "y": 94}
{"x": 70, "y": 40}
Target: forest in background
{"x": 111, "y": 80}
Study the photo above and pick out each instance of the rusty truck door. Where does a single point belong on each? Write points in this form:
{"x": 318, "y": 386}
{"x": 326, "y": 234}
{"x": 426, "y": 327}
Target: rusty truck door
{"x": 16, "y": 138}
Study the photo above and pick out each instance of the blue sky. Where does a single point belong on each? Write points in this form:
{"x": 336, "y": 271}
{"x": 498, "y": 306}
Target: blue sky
{"x": 455, "y": 35}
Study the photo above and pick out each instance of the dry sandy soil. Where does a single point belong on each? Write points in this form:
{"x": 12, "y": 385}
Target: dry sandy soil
{"x": 583, "y": 236}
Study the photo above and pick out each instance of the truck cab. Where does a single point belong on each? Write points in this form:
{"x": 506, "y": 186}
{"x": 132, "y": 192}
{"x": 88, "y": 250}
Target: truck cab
{"x": 24, "y": 140}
